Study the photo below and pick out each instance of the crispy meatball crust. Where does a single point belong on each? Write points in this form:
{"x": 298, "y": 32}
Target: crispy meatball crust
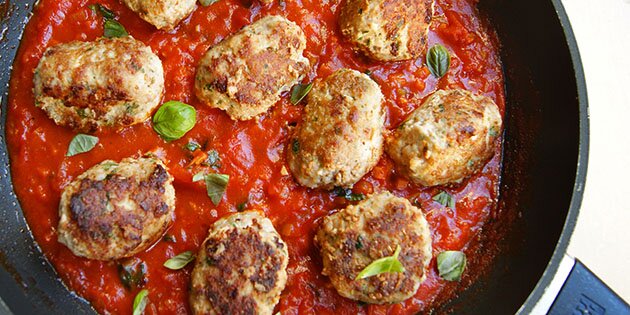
{"x": 115, "y": 210}
{"x": 354, "y": 237}
{"x": 245, "y": 73}
{"x": 387, "y": 30}
{"x": 108, "y": 82}
{"x": 163, "y": 14}
{"x": 450, "y": 137}
{"x": 341, "y": 136}
{"x": 240, "y": 268}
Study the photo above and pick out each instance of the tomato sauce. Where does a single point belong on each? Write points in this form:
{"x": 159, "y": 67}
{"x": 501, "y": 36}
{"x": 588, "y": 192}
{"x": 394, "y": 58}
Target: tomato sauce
{"x": 251, "y": 152}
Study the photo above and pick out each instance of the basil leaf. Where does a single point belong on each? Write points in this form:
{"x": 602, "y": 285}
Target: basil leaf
{"x": 102, "y": 10}
{"x": 215, "y": 186}
{"x": 348, "y": 194}
{"x": 169, "y": 238}
{"x": 300, "y": 91}
{"x": 451, "y": 265}
{"x": 382, "y": 265}
{"x": 140, "y": 302}
{"x": 174, "y": 119}
{"x": 81, "y": 143}
{"x": 445, "y": 199}
{"x": 213, "y": 159}
{"x": 179, "y": 261}
{"x": 199, "y": 176}
{"x": 206, "y": 3}
{"x": 438, "y": 60}
{"x": 114, "y": 29}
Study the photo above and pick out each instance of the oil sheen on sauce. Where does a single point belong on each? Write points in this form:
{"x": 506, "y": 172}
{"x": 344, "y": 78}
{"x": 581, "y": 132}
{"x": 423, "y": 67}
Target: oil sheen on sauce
{"x": 251, "y": 152}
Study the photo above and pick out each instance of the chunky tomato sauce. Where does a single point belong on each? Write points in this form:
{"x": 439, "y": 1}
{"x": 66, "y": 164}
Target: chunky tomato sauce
{"x": 251, "y": 152}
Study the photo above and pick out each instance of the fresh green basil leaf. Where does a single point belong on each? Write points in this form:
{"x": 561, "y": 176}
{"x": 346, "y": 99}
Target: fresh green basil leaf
{"x": 445, "y": 199}
{"x": 451, "y": 265}
{"x": 299, "y": 92}
{"x": 113, "y": 28}
{"x": 81, "y": 143}
{"x": 192, "y": 146}
{"x": 173, "y": 120}
{"x": 383, "y": 265}
{"x": 206, "y": 3}
{"x": 179, "y": 261}
{"x": 215, "y": 186}
{"x": 199, "y": 176}
{"x": 140, "y": 302}
{"x": 438, "y": 60}
{"x": 102, "y": 10}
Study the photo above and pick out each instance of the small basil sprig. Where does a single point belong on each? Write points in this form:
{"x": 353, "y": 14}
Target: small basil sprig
{"x": 179, "y": 261}
{"x": 383, "y": 265}
{"x": 215, "y": 186}
{"x": 299, "y": 92}
{"x": 445, "y": 199}
{"x": 451, "y": 265}
{"x": 81, "y": 143}
{"x": 438, "y": 60}
{"x": 174, "y": 119}
{"x": 111, "y": 27}
{"x": 140, "y": 302}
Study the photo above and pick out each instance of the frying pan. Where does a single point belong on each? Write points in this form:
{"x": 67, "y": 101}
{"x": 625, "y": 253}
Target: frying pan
{"x": 545, "y": 159}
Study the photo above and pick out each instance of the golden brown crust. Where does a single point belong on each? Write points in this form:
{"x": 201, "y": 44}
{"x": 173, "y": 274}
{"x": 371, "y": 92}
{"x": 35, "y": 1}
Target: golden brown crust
{"x": 163, "y": 14}
{"x": 356, "y": 236}
{"x": 387, "y": 30}
{"x": 108, "y": 82}
{"x": 116, "y": 210}
{"x": 241, "y": 267}
{"x": 246, "y": 72}
{"x": 449, "y": 137}
{"x": 341, "y": 136}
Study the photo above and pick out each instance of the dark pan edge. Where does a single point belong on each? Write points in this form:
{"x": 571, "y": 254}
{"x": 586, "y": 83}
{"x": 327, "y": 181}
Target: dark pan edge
{"x": 582, "y": 165}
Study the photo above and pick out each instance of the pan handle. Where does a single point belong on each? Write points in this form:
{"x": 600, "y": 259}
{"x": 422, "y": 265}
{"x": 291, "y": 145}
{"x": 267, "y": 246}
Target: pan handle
{"x": 585, "y": 293}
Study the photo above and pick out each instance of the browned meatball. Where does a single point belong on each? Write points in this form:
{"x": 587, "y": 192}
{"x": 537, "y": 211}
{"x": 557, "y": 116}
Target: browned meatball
{"x": 108, "y": 82}
{"x": 341, "y": 136}
{"x": 240, "y": 268}
{"x": 245, "y": 73}
{"x": 387, "y": 30}
{"x": 115, "y": 210}
{"x": 448, "y": 138}
{"x": 163, "y": 14}
{"x": 354, "y": 237}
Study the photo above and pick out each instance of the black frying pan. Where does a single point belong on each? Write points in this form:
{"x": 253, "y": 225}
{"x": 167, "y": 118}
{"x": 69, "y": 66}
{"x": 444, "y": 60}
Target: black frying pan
{"x": 545, "y": 160}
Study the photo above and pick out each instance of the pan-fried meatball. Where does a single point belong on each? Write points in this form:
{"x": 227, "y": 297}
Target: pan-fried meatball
{"x": 356, "y": 236}
{"x": 108, "y": 82}
{"x": 341, "y": 136}
{"x": 245, "y": 73}
{"x": 163, "y": 14}
{"x": 240, "y": 268}
{"x": 387, "y": 30}
{"x": 115, "y": 210}
{"x": 450, "y": 137}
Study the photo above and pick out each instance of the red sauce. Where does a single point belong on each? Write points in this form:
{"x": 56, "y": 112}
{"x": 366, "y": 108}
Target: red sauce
{"x": 252, "y": 152}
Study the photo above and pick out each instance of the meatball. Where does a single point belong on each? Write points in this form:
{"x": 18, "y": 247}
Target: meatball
{"x": 245, "y": 73}
{"x": 387, "y": 30}
{"x": 115, "y": 210}
{"x": 163, "y": 14}
{"x": 108, "y": 82}
{"x": 450, "y": 137}
{"x": 354, "y": 237}
{"x": 240, "y": 268}
{"x": 341, "y": 136}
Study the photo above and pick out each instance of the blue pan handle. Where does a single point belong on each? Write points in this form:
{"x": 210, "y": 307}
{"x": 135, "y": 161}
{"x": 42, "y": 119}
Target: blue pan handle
{"x": 583, "y": 293}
